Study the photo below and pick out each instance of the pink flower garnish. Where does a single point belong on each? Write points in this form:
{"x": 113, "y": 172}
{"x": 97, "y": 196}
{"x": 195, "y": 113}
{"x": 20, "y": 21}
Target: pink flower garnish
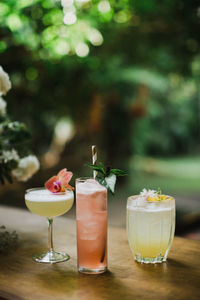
{"x": 60, "y": 182}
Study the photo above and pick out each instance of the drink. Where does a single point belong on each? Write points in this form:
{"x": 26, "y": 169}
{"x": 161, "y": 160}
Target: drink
{"x": 44, "y": 203}
{"x": 91, "y": 220}
{"x": 150, "y": 228}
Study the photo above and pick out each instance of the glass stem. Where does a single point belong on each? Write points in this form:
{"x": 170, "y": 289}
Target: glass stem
{"x": 50, "y": 235}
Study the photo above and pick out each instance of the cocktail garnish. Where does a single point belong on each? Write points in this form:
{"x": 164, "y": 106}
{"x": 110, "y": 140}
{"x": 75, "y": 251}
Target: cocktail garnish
{"x": 153, "y": 195}
{"x": 60, "y": 182}
{"x": 107, "y": 176}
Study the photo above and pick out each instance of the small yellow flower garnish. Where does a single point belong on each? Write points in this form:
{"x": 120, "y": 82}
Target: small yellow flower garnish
{"x": 153, "y": 195}
{"x": 153, "y": 199}
{"x": 163, "y": 197}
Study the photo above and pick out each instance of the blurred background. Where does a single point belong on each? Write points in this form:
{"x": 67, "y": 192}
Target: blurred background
{"x": 124, "y": 75}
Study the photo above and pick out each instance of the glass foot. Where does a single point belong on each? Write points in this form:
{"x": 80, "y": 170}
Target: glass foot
{"x": 51, "y": 257}
{"x": 150, "y": 260}
{"x": 92, "y": 271}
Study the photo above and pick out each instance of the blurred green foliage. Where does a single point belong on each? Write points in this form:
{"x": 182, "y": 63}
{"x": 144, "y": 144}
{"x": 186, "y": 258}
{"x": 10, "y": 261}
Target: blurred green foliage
{"x": 141, "y": 58}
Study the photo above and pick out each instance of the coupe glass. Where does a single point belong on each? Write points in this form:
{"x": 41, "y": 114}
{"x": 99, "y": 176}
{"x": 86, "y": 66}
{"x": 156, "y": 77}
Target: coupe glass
{"x": 43, "y": 203}
{"x": 150, "y": 228}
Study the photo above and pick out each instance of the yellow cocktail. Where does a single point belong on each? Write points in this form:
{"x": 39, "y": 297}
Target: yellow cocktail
{"x": 47, "y": 204}
{"x": 150, "y": 228}
{"x": 43, "y": 203}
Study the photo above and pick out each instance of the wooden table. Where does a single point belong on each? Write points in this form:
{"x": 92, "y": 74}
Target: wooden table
{"x": 22, "y": 278}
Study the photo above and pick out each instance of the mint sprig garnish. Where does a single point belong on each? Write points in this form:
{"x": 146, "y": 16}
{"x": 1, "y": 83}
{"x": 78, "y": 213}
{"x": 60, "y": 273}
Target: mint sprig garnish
{"x": 107, "y": 176}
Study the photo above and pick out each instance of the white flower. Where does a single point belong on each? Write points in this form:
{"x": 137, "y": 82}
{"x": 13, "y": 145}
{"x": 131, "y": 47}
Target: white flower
{"x": 148, "y": 193}
{"x": 9, "y": 155}
{"x": 3, "y": 105}
{"x": 27, "y": 166}
{"x": 14, "y": 124}
{"x": 5, "y": 84}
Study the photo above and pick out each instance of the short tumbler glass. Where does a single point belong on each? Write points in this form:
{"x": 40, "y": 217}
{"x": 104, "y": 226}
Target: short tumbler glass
{"x": 150, "y": 228}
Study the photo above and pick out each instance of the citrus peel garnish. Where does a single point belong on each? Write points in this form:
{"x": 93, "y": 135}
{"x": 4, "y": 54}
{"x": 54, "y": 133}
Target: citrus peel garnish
{"x": 157, "y": 198}
{"x": 153, "y": 195}
{"x": 60, "y": 182}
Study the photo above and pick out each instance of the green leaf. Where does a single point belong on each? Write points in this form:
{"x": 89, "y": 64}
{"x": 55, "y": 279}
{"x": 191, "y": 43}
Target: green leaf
{"x": 102, "y": 181}
{"x": 107, "y": 176}
{"x": 111, "y": 181}
{"x": 99, "y": 168}
{"x": 108, "y": 182}
{"x": 8, "y": 240}
{"x": 118, "y": 172}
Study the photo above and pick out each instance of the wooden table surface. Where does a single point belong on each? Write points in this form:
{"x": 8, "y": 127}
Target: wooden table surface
{"x": 22, "y": 278}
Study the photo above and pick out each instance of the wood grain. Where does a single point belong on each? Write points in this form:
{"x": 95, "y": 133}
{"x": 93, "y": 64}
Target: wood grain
{"x": 22, "y": 278}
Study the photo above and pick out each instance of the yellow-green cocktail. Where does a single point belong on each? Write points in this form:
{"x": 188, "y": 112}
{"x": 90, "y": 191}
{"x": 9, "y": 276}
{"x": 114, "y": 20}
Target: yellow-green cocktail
{"x": 150, "y": 227}
{"x": 47, "y": 204}
{"x": 43, "y": 203}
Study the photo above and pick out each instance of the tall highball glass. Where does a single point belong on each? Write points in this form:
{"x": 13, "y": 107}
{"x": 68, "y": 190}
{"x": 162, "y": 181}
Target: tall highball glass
{"x": 91, "y": 224}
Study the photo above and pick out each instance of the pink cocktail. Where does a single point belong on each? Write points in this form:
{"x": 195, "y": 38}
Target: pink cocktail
{"x": 91, "y": 223}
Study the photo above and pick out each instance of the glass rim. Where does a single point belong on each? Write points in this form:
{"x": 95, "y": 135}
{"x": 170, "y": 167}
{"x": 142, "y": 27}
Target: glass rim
{"x": 43, "y": 188}
{"x": 84, "y": 178}
{"x": 135, "y": 197}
